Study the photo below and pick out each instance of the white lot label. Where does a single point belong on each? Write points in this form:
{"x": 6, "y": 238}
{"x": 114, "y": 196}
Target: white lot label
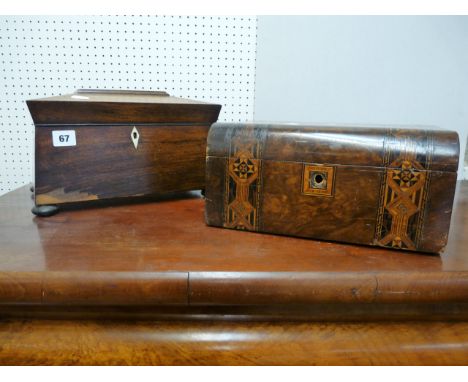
{"x": 62, "y": 138}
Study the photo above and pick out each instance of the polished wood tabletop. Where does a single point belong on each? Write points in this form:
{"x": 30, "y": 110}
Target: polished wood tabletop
{"x": 116, "y": 269}
{"x": 161, "y": 252}
{"x": 170, "y": 235}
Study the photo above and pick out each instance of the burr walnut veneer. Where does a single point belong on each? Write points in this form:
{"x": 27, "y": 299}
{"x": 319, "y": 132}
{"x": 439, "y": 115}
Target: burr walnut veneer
{"x": 377, "y": 186}
{"x": 150, "y": 283}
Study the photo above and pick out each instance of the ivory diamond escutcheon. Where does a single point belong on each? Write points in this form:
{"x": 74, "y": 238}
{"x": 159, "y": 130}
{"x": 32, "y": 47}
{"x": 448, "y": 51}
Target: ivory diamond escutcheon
{"x": 135, "y": 135}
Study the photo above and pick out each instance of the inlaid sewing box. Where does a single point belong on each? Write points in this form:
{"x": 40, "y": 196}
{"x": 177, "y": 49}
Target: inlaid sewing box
{"x": 103, "y": 144}
{"x": 387, "y": 187}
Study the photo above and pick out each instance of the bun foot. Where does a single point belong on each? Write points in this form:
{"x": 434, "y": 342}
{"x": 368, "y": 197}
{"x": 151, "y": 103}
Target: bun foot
{"x": 44, "y": 211}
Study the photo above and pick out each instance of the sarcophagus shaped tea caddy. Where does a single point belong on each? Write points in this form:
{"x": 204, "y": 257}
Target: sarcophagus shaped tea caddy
{"x": 387, "y": 187}
{"x": 104, "y": 144}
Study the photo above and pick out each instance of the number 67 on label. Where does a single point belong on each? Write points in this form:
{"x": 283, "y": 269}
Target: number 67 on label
{"x": 62, "y": 138}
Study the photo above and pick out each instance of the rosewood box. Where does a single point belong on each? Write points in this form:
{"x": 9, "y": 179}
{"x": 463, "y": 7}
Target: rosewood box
{"x": 387, "y": 187}
{"x": 102, "y": 144}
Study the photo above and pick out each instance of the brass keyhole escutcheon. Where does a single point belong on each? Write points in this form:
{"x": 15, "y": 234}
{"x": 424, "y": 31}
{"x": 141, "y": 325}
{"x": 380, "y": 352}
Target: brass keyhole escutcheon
{"x": 135, "y": 136}
{"x": 317, "y": 180}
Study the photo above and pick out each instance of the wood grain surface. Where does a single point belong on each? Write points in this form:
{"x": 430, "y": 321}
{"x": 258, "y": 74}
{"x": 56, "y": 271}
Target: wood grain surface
{"x": 150, "y": 284}
{"x": 105, "y": 163}
{"x": 384, "y": 187}
{"x": 169, "y": 234}
{"x": 127, "y": 144}
{"x": 120, "y": 107}
{"x": 224, "y": 343}
{"x": 158, "y": 259}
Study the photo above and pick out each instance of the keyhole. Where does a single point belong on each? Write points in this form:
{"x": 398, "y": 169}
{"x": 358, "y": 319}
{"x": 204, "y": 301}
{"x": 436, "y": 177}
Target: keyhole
{"x": 135, "y": 136}
{"x": 318, "y": 178}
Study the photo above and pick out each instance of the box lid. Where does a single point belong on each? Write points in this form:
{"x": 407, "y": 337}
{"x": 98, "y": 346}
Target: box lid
{"x": 348, "y": 145}
{"x": 94, "y": 106}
